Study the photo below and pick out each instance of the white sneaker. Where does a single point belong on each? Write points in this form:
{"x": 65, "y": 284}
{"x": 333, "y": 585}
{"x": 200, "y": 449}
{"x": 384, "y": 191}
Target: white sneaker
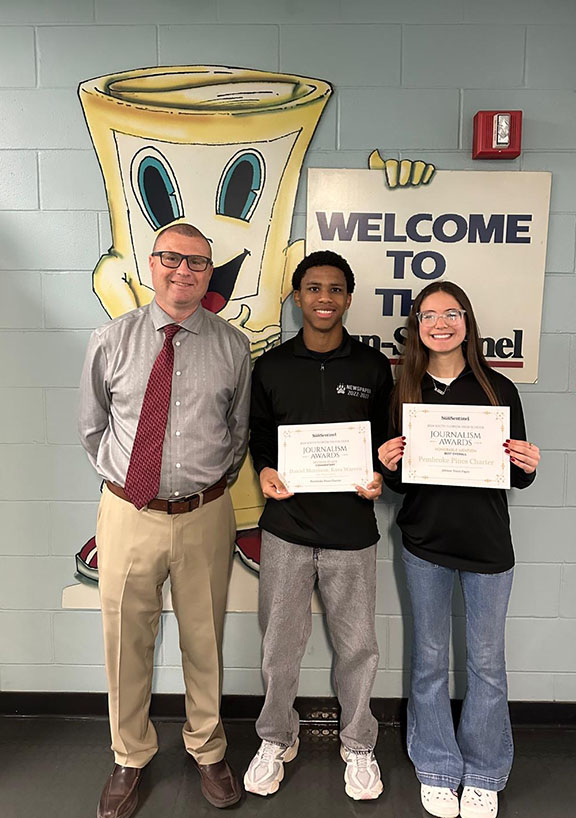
{"x": 478, "y": 803}
{"x": 439, "y": 801}
{"x": 362, "y": 775}
{"x": 266, "y": 769}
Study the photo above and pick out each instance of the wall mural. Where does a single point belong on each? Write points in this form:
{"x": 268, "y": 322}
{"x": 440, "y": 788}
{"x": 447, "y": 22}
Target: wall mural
{"x": 223, "y": 149}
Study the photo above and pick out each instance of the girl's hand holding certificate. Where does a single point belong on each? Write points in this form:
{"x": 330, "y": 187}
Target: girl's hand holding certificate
{"x": 523, "y": 454}
{"x": 391, "y": 452}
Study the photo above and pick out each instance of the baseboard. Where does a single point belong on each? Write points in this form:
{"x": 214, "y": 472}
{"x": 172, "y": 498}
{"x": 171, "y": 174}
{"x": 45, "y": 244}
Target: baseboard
{"x": 313, "y": 710}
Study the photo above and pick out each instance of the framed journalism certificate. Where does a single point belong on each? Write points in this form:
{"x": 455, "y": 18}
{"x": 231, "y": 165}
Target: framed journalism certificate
{"x": 316, "y": 457}
{"x": 452, "y": 445}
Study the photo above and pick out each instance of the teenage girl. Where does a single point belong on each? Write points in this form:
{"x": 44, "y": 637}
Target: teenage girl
{"x": 449, "y": 531}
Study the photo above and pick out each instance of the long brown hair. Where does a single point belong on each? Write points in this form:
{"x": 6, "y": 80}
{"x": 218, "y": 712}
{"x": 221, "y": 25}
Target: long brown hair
{"x": 414, "y": 361}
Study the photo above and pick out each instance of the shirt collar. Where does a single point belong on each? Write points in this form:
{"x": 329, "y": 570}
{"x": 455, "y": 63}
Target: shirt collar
{"x": 161, "y": 319}
{"x": 342, "y": 351}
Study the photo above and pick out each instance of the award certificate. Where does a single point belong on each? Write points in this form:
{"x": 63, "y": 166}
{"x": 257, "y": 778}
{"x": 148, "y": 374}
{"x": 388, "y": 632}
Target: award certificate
{"x": 451, "y": 445}
{"x": 325, "y": 456}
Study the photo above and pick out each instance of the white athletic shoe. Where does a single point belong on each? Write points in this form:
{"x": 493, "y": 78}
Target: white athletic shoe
{"x": 478, "y": 803}
{"x": 362, "y": 774}
{"x": 439, "y": 801}
{"x": 266, "y": 769}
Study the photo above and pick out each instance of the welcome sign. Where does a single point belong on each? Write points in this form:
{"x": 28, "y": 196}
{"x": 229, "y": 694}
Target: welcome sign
{"x": 486, "y": 231}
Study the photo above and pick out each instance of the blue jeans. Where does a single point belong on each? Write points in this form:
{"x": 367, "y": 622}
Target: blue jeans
{"x": 480, "y": 753}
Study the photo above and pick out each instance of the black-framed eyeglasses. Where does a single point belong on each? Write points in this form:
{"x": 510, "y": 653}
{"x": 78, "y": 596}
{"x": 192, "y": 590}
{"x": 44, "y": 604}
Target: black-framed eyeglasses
{"x": 172, "y": 260}
{"x": 430, "y": 319}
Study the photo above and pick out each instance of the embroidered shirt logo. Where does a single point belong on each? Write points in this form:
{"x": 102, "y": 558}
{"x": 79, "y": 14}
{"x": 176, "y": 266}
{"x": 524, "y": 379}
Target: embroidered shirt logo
{"x": 353, "y": 391}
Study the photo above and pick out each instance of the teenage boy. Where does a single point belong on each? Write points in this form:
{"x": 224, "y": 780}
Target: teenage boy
{"x": 322, "y": 375}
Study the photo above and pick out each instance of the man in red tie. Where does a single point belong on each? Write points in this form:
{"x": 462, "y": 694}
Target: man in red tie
{"x": 163, "y": 418}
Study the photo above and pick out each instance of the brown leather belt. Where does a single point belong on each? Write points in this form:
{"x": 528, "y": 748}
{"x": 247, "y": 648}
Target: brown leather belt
{"x": 178, "y": 506}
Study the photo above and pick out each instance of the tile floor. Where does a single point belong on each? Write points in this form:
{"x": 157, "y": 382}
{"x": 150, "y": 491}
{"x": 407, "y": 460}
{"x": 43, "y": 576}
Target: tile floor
{"x": 56, "y": 767}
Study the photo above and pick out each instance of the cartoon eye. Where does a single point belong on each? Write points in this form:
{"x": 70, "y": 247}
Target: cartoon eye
{"x": 155, "y": 187}
{"x": 241, "y": 185}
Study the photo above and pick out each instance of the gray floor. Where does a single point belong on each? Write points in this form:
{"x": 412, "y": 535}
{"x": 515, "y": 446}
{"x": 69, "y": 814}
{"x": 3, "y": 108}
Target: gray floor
{"x": 56, "y": 767}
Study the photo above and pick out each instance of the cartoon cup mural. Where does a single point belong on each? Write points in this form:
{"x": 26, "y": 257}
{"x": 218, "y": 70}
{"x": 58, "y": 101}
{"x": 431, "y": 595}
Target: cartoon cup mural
{"x": 221, "y": 148}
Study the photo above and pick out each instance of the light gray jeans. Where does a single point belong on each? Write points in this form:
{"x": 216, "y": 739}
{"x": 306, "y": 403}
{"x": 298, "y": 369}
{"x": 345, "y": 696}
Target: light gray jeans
{"x": 347, "y": 584}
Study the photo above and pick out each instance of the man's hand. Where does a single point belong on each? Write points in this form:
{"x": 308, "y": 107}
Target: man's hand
{"x": 373, "y": 489}
{"x": 272, "y": 486}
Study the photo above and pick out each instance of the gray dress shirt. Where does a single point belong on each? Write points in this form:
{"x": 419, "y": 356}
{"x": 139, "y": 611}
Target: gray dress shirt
{"x": 207, "y": 430}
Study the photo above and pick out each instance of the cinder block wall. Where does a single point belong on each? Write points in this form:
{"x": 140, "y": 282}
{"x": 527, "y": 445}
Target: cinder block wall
{"x": 409, "y": 75}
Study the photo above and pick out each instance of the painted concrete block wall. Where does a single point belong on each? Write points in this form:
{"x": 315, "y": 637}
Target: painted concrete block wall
{"x": 408, "y": 77}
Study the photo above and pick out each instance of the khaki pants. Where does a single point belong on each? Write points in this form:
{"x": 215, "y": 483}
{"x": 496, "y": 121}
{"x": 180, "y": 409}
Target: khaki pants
{"x": 137, "y": 551}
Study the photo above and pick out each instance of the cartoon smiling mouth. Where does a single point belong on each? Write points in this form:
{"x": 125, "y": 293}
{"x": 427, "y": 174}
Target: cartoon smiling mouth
{"x": 222, "y": 283}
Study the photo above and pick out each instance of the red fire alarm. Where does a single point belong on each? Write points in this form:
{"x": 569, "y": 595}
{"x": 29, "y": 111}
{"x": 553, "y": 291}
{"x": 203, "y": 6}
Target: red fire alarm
{"x": 497, "y": 135}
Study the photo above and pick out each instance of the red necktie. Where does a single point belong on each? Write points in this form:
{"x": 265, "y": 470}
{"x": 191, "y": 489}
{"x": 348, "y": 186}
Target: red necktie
{"x": 143, "y": 476}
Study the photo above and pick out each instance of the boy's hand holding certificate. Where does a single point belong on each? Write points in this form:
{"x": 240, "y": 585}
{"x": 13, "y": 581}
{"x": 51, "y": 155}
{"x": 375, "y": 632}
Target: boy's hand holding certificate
{"x": 325, "y": 456}
{"x": 454, "y": 445}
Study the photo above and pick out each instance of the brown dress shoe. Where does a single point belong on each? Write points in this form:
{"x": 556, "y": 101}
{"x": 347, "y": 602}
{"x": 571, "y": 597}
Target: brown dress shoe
{"x": 119, "y": 797}
{"x": 219, "y": 783}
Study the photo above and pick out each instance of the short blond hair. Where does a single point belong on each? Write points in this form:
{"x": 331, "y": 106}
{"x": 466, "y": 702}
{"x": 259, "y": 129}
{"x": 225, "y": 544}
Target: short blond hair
{"x": 182, "y": 229}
